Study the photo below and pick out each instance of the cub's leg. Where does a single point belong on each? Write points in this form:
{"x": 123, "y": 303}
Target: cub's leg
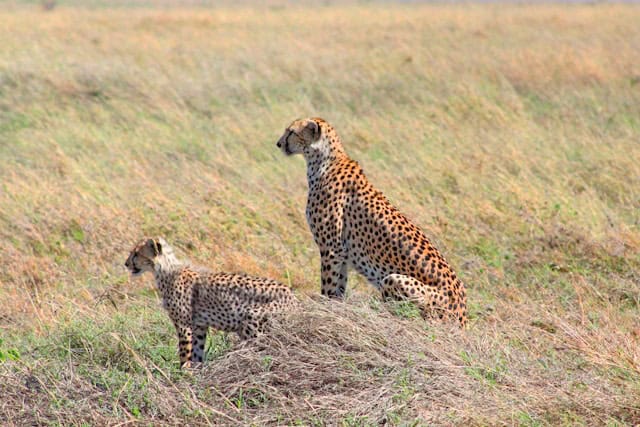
{"x": 333, "y": 274}
{"x": 256, "y": 320}
{"x": 429, "y": 300}
{"x": 198, "y": 343}
{"x": 250, "y": 325}
{"x": 185, "y": 345}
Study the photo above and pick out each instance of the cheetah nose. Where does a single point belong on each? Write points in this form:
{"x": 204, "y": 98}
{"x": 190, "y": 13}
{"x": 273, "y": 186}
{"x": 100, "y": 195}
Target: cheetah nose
{"x": 281, "y": 142}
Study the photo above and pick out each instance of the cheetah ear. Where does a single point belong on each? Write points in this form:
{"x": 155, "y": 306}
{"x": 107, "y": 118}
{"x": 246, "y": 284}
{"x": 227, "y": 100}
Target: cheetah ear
{"x": 154, "y": 246}
{"x": 314, "y": 128}
{"x": 158, "y": 246}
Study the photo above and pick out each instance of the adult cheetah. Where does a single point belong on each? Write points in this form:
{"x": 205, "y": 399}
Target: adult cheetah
{"x": 196, "y": 298}
{"x": 354, "y": 224}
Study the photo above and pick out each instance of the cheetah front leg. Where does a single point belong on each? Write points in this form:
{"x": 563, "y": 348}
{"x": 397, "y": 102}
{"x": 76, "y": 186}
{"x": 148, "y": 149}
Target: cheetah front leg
{"x": 185, "y": 345}
{"x": 198, "y": 343}
{"x": 430, "y": 301}
{"x": 333, "y": 274}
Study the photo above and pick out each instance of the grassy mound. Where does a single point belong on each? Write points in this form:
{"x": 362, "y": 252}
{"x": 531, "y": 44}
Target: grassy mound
{"x": 355, "y": 363}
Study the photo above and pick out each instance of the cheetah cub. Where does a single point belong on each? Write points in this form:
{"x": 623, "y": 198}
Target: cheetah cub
{"x": 197, "y": 298}
{"x": 355, "y": 225}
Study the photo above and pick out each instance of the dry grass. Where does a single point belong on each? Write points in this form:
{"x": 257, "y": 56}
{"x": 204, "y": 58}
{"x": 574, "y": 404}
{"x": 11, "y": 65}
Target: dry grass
{"x": 358, "y": 362}
{"x": 510, "y": 133}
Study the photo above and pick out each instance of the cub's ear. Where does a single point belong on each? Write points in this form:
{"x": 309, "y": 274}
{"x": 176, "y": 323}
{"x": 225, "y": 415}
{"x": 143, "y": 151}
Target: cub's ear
{"x": 154, "y": 246}
{"x": 314, "y": 130}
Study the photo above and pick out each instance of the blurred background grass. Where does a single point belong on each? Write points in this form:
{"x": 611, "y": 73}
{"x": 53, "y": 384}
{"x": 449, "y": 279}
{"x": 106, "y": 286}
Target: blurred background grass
{"x": 509, "y": 133}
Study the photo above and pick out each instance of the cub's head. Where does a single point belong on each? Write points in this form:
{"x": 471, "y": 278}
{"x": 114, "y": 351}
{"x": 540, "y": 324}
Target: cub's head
{"x": 143, "y": 256}
{"x": 300, "y": 135}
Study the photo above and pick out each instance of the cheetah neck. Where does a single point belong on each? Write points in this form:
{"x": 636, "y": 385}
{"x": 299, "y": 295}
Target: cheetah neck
{"x": 321, "y": 154}
{"x": 166, "y": 268}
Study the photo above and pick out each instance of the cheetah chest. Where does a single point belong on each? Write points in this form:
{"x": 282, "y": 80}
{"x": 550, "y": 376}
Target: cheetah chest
{"x": 338, "y": 223}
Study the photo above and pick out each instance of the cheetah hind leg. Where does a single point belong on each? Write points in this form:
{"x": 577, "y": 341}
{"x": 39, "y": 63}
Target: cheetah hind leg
{"x": 258, "y": 320}
{"x": 199, "y": 339}
{"x": 251, "y": 325}
{"x": 429, "y": 300}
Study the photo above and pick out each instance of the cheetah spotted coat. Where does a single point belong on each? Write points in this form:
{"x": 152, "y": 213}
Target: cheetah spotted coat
{"x": 197, "y": 299}
{"x": 354, "y": 224}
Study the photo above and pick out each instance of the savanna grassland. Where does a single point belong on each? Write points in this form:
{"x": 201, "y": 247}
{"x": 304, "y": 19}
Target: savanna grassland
{"x": 511, "y": 134}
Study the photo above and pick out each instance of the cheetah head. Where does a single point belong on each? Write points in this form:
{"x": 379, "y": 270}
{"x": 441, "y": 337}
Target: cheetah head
{"x": 143, "y": 256}
{"x": 300, "y": 135}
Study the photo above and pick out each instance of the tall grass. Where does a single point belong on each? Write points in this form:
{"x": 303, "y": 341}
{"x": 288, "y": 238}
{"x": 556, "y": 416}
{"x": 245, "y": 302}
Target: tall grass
{"x": 509, "y": 133}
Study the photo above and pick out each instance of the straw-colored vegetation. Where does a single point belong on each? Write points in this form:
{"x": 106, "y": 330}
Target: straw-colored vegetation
{"x": 511, "y": 134}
